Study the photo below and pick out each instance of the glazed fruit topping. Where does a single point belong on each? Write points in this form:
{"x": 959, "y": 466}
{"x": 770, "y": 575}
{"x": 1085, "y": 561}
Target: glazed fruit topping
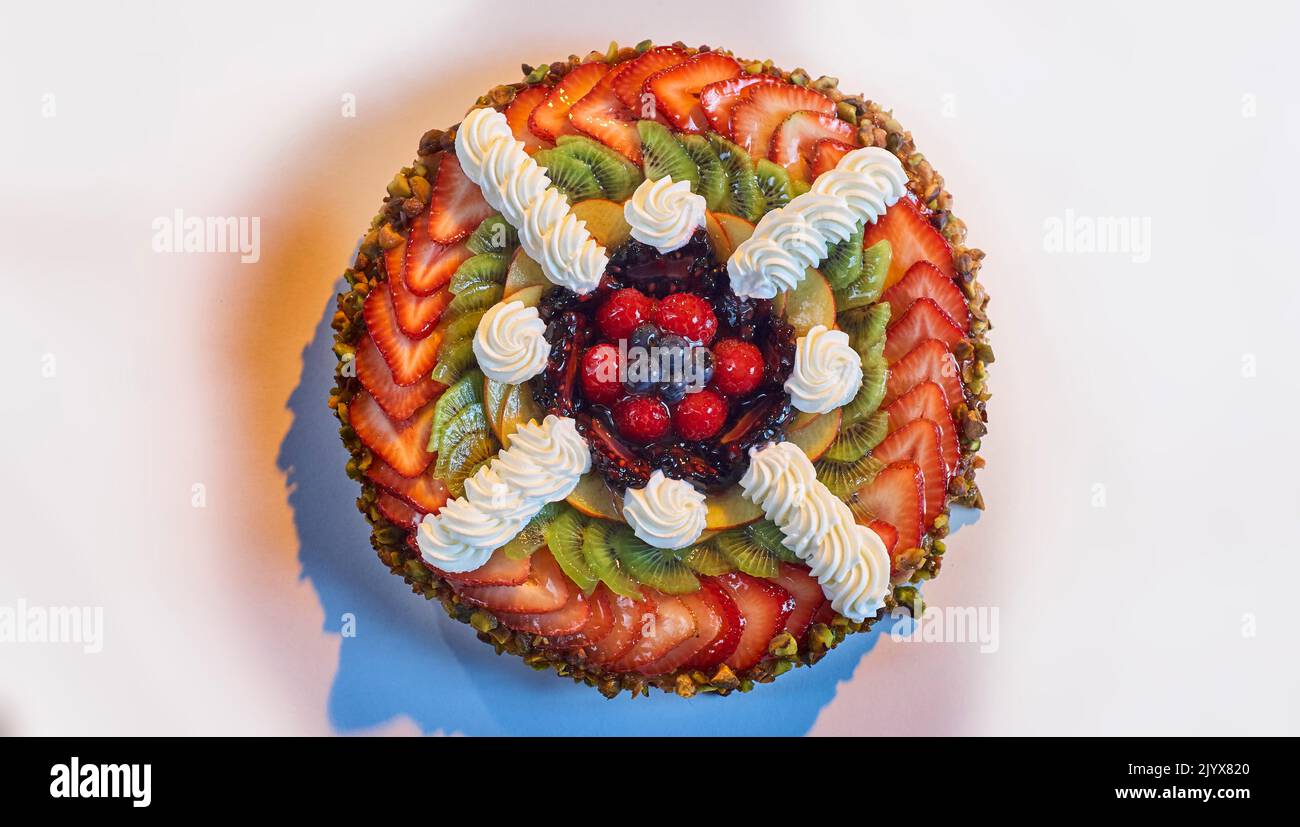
{"x": 739, "y": 368}
{"x": 689, "y": 315}
{"x": 700, "y": 415}
{"x": 623, "y": 312}
{"x": 641, "y": 418}
{"x": 600, "y": 372}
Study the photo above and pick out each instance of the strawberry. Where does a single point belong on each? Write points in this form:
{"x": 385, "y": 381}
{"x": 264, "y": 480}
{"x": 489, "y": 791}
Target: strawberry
{"x": 755, "y": 119}
{"x": 708, "y": 625}
{"x": 886, "y": 532}
{"x": 924, "y": 281}
{"x": 720, "y": 98}
{"x": 395, "y": 510}
{"x": 401, "y": 443}
{"x": 918, "y": 442}
{"x": 603, "y": 116}
{"x": 550, "y": 119}
{"x": 545, "y": 590}
{"x": 518, "y": 112}
{"x": 672, "y": 624}
{"x": 911, "y": 239}
{"x": 630, "y": 616}
{"x": 416, "y": 315}
{"x": 923, "y": 320}
{"x": 897, "y": 497}
{"x": 927, "y": 401}
{"x": 700, "y": 415}
{"x": 632, "y": 75}
{"x": 642, "y": 418}
{"x": 827, "y": 153}
{"x": 499, "y": 570}
{"x": 567, "y": 619}
{"x": 430, "y": 265}
{"x": 807, "y": 594}
{"x": 410, "y": 359}
{"x": 929, "y": 361}
{"x": 728, "y": 637}
{"x": 423, "y": 493}
{"x": 456, "y": 206}
{"x": 677, "y": 90}
{"x": 600, "y": 622}
{"x": 397, "y": 401}
{"x": 793, "y": 141}
{"x": 765, "y": 607}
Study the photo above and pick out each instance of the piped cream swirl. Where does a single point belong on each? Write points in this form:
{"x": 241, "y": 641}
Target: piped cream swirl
{"x": 666, "y": 513}
{"x": 510, "y": 343}
{"x": 827, "y": 371}
{"x": 664, "y": 214}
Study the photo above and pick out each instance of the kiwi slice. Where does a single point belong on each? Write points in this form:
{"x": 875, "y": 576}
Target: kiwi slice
{"x": 468, "y": 421}
{"x": 465, "y": 392}
{"x": 657, "y": 568}
{"x": 843, "y": 264}
{"x": 866, "y": 326}
{"x": 866, "y": 288}
{"x": 454, "y": 358}
{"x": 766, "y": 534}
{"x": 661, "y": 155}
{"x": 493, "y": 235}
{"x": 571, "y": 176}
{"x": 713, "y": 179}
{"x": 618, "y": 177}
{"x": 472, "y": 452}
{"x": 457, "y": 328}
{"x": 704, "y": 558}
{"x": 533, "y": 536}
{"x": 741, "y": 549}
{"x": 773, "y": 183}
{"x": 743, "y": 197}
{"x": 484, "y": 268}
{"x": 564, "y": 537}
{"x": 875, "y": 374}
{"x": 474, "y": 299}
{"x": 598, "y": 552}
{"x": 855, "y": 440}
{"x": 843, "y": 478}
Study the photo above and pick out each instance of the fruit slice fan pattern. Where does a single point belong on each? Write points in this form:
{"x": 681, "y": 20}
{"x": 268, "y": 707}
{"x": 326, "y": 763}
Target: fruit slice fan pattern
{"x": 575, "y": 589}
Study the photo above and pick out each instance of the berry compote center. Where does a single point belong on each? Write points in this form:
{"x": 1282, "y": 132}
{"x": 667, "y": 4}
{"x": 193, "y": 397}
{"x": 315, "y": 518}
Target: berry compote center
{"x": 664, "y": 367}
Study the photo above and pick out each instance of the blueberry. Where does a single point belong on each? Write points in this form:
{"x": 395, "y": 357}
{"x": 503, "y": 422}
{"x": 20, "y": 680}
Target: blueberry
{"x": 672, "y": 392}
{"x": 645, "y": 335}
{"x": 673, "y": 342}
{"x": 703, "y": 365}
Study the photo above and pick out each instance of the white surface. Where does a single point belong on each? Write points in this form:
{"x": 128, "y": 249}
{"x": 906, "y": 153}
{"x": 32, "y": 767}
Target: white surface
{"x": 173, "y": 370}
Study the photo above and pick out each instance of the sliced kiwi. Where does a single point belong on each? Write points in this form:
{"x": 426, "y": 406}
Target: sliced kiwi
{"x": 773, "y": 183}
{"x": 454, "y": 359}
{"x": 855, "y": 440}
{"x": 464, "y": 393}
{"x": 843, "y": 264}
{"x": 571, "y": 176}
{"x": 743, "y": 197}
{"x": 533, "y": 536}
{"x": 713, "y": 179}
{"x": 473, "y": 299}
{"x": 741, "y": 549}
{"x": 618, "y": 177}
{"x": 456, "y": 328}
{"x": 657, "y": 568}
{"x": 843, "y": 478}
{"x": 598, "y": 552}
{"x": 564, "y": 537}
{"x": 661, "y": 155}
{"x": 766, "y": 534}
{"x": 468, "y": 421}
{"x": 472, "y": 452}
{"x": 866, "y": 288}
{"x": 704, "y": 558}
{"x": 875, "y": 374}
{"x": 493, "y": 235}
{"x": 865, "y": 326}
{"x": 484, "y": 268}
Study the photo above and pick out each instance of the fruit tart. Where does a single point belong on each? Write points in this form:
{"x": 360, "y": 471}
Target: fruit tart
{"x": 662, "y": 369}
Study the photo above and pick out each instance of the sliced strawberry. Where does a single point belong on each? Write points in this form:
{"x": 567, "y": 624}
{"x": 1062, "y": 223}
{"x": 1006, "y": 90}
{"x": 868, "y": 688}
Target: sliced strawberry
{"x": 396, "y": 510}
{"x": 430, "y": 265}
{"x": 409, "y": 359}
{"x": 518, "y": 112}
{"x": 456, "y": 206}
{"x": 423, "y": 493}
{"x": 603, "y": 116}
{"x": 807, "y": 594}
{"x": 600, "y": 621}
{"x": 794, "y": 139}
{"x": 632, "y": 75}
{"x": 929, "y": 361}
{"x": 886, "y": 532}
{"x": 499, "y": 570}
{"x": 550, "y": 119}
{"x": 545, "y": 590}
{"x": 825, "y": 613}
{"x": 398, "y": 401}
{"x": 728, "y": 637}
{"x": 755, "y": 119}
{"x": 416, "y": 315}
{"x": 765, "y": 607}
{"x": 401, "y": 444}
{"x": 897, "y": 497}
{"x": 827, "y": 153}
{"x": 569, "y": 618}
{"x": 677, "y": 90}
{"x": 912, "y": 239}
{"x": 672, "y": 623}
{"x": 918, "y": 442}
{"x": 720, "y": 98}
{"x": 924, "y": 281}
{"x": 708, "y": 624}
{"x": 630, "y": 616}
{"x": 927, "y": 401}
{"x": 923, "y": 320}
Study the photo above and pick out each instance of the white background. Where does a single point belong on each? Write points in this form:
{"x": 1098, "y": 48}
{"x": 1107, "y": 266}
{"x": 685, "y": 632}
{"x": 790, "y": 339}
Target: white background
{"x": 1170, "y": 609}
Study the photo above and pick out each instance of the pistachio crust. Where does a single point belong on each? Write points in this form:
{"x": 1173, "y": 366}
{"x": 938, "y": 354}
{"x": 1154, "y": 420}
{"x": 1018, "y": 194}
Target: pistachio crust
{"x": 409, "y": 193}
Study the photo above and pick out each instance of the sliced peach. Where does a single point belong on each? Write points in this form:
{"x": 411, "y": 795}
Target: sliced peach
{"x": 605, "y": 221}
{"x": 808, "y": 305}
{"x": 507, "y": 407}
{"x": 736, "y": 228}
{"x": 729, "y": 509}
{"x": 817, "y": 435}
{"x": 523, "y": 272}
{"x": 717, "y": 237}
{"x": 596, "y": 499}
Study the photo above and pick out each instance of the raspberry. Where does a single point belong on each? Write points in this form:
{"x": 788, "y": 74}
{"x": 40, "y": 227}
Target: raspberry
{"x": 700, "y": 415}
{"x": 686, "y": 314}
{"x": 738, "y": 367}
{"x": 623, "y": 311}
{"x": 600, "y": 380}
{"x": 641, "y": 418}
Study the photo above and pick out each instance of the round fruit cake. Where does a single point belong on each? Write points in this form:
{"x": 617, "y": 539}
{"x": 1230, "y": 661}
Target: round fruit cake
{"x": 663, "y": 367}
